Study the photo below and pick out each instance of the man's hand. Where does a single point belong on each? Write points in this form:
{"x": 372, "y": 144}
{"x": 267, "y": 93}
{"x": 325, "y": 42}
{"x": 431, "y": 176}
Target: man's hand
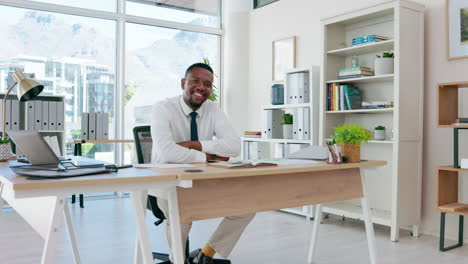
{"x": 216, "y": 157}
{"x": 196, "y": 145}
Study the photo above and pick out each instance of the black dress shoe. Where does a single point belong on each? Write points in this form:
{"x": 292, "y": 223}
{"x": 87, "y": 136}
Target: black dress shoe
{"x": 202, "y": 259}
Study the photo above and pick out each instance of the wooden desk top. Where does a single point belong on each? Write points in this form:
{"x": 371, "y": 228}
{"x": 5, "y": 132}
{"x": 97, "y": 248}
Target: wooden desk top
{"x": 134, "y": 175}
{"x": 211, "y": 172}
{"x": 123, "y": 176}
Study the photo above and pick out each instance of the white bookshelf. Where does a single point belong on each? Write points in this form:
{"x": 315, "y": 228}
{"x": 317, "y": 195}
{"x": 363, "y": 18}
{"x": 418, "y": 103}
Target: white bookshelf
{"x": 270, "y": 146}
{"x": 394, "y": 190}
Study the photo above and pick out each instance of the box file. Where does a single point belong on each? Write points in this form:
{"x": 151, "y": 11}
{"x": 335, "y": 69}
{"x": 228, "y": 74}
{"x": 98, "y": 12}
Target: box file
{"x": 253, "y": 150}
{"x": 92, "y": 126}
{"x": 294, "y": 113}
{"x": 60, "y": 116}
{"x": 84, "y": 126}
{"x": 1, "y": 112}
{"x": 45, "y": 116}
{"x": 29, "y": 115}
{"x": 303, "y": 87}
{"x": 37, "y": 115}
{"x": 105, "y": 126}
{"x": 15, "y": 115}
{"x": 52, "y": 115}
{"x": 267, "y": 121}
{"x": 300, "y": 123}
{"x": 8, "y": 114}
{"x": 306, "y": 124}
{"x": 292, "y": 88}
{"x": 99, "y": 126}
{"x": 245, "y": 150}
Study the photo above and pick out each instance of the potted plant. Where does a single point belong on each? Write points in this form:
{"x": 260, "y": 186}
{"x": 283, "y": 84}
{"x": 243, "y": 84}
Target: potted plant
{"x": 384, "y": 64}
{"x": 379, "y": 133}
{"x": 350, "y": 136}
{"x": 5, "y": 149}
{"x": 287, "y": 126}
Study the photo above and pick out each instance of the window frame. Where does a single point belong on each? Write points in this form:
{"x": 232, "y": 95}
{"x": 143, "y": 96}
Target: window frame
{"x": 121, "y": 18}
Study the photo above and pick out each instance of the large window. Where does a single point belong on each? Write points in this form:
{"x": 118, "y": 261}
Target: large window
{"x": 196, "y": 12}
{"x": 71, "y": 47}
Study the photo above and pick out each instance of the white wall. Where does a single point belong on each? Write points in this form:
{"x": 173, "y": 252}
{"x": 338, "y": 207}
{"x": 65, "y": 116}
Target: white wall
{"x": 302, "y": 18}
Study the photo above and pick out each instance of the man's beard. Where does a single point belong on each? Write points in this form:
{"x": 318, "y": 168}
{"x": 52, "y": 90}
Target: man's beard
{"x": 193, "y": 104}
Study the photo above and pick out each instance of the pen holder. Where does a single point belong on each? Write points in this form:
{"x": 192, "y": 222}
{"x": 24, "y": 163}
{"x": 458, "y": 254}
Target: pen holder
{"x": 334, "y": 155}
{"x": 5, "y": 151}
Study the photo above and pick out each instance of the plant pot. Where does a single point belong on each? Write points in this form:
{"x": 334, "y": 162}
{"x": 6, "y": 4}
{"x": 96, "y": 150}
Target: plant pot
{"x": 5, "y": 151}
{"x": 383, "y": 66}
{"x": 352, "y": 152}
{"x": 379, "y": 134}
{"x": 287, "y": 131}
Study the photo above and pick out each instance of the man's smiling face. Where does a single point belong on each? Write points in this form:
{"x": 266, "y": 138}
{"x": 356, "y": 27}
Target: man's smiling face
{"x": 197, "y": 87}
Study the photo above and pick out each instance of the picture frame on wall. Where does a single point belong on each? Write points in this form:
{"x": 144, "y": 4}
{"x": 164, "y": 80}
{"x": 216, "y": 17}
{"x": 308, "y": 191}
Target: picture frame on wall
{"x": 284, "y": 57}
{"x": 457, "y": 29}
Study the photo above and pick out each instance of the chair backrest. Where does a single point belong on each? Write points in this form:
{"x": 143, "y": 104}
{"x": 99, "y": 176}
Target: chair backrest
{"x": 143, "y": 143}
{"x": 144, "y": 146}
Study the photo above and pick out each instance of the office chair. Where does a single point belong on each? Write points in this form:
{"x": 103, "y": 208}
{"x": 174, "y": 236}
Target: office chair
{"x": 144, "y": 146}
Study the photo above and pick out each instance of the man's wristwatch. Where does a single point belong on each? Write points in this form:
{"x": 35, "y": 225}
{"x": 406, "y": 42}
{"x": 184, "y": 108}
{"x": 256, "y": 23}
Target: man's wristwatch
{"x": 212, "y": 157}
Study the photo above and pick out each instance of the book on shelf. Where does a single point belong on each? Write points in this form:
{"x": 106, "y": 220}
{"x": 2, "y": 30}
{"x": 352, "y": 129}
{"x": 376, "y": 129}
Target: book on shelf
{"x": 356, "y": 70}
{"x": 252, "y": 134}
{"x": 352, "y": 76}
{"x": 353, "y": 97}
{"x": 243, "y": 164}
{"x": 377, "y": 105}
{"x": 343, "y": 97}
{"x": 368, "y": 39}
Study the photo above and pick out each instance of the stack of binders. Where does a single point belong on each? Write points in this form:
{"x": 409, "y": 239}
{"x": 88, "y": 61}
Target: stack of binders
{"x": 301, "y": 123}
{"x": 95, "y": 126}
{"x": 298, "y": 87}
{"x": 43, "y": 115}
{"x": 271, "y": 124}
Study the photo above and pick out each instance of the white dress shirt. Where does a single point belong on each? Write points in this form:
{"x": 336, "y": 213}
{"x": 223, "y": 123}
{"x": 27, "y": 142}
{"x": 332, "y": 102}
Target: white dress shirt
{"x": 171, "y": 125}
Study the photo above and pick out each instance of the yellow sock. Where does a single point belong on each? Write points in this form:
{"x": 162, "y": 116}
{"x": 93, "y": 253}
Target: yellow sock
{"x": 208, "y": 251}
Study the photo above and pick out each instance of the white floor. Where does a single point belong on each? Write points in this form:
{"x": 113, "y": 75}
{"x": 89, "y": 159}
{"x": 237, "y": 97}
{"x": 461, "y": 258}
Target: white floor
{"x": 105, "y": 234}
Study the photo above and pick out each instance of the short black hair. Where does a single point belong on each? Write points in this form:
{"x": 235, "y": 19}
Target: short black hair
{"x": 198, "y": 65}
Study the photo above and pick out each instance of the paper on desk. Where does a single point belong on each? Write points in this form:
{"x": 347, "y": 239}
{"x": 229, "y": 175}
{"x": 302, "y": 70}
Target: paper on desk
{"x": 162, "y": 166}
{"x": 296, "y": 161}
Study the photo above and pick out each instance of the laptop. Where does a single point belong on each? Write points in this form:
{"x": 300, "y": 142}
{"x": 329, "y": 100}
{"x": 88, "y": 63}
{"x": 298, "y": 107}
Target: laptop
{"x": 38, "y": 152}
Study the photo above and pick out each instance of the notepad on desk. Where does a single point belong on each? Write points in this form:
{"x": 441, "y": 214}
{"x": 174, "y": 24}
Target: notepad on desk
{"x": 244, "y": 164}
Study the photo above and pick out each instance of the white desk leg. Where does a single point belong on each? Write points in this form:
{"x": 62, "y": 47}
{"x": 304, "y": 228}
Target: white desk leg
{"x": 315, "y": 230}
{"x": 143, "y": 238}
{"x": 137, "y": 254}
{"x": 368, "y": 223}
{"x": 176, "y": 235}
{"x": 416, "y": 231}
{"x": 71, "y": 233}
{"x": 2, "y": 202}
{"x": 51, "y": 238}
